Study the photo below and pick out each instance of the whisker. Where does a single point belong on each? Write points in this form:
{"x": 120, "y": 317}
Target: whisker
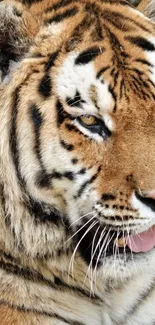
{"x": 93, "y": 217}
{"x": 100, "y": 252}
{"x": 74, "y": 252}
{"x": 92, "y": 256}
{"x": 85, "y": 215}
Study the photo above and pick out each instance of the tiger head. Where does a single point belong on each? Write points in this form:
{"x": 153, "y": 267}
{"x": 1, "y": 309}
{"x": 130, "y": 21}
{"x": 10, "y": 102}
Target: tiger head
{"x": 77, "y": 132}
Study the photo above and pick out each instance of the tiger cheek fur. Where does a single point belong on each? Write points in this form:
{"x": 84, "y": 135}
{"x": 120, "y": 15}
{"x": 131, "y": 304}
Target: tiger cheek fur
{"x": 77, "y": 182}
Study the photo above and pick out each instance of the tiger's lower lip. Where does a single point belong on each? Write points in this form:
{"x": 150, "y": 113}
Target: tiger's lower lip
{"x": 142, "y": 242}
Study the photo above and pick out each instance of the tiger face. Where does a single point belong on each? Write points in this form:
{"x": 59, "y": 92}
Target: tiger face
{"x": 78, "y": 136}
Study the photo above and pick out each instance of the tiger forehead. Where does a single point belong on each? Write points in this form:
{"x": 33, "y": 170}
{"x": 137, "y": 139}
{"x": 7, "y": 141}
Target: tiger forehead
{"x": 123, "y": 61}
{"x": 88, "y": 79}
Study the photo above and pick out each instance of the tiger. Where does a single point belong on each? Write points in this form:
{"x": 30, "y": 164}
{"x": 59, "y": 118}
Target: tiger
{"x": 77, "y": 181}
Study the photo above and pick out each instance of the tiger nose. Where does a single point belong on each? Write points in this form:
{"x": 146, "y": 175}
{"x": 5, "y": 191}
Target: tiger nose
{"x": 147, "y": 199}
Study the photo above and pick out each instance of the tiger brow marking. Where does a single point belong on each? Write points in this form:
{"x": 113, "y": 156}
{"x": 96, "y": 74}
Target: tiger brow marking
{"x": 88, "y": 55}
{"x": 141, "y": 42}
{"x": 64, "y": 15}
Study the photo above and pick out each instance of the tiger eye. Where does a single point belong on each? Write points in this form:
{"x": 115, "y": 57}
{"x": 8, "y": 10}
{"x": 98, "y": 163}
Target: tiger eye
{"x": 88, "y": 119}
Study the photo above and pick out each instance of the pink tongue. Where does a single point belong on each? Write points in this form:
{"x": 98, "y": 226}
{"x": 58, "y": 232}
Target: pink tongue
{"x": 143, "y": 242}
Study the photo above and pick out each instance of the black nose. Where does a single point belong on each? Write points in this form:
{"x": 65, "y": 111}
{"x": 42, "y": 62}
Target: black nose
{"x": 147, "y": 201}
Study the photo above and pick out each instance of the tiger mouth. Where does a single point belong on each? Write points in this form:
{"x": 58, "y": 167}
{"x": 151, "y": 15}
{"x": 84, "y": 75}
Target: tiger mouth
{"x": 96, "y": 245}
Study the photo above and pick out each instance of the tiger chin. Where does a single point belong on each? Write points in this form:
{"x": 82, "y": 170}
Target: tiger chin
{"x": 77, "y": 181}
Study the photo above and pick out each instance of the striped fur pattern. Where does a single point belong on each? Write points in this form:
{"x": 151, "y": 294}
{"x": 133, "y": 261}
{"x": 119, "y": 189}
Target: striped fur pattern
{"x": 77, "y": 141}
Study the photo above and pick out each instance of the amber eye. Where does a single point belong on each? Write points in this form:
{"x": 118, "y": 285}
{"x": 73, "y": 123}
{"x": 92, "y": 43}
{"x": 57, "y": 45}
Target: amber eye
{"x": 94, "y": 125}
{"x": 88, "y": 120}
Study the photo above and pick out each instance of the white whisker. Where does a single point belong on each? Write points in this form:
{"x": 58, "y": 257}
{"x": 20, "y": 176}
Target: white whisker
{"x": 93, "y": 217}
{"x": 74, "y": 252}
{"x": 85, "y": 215}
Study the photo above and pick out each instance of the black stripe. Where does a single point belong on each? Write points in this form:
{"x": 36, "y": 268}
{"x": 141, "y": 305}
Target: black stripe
{"x": 137, "y": 304}
{"x": 60, "y": 4}
{"x": 9, "y": 264}
{"x": 42, "y": 179}
{"x": 61, "y": 114}
{"x": 122, "y": 86}
{"x": 141, "y": 42}
{"x": 66, "y": 145}
{"x": 43, "y": 212}
{"x": 126, "y": 19}
{"x": 30, "y": 2}
{"x": 68, "y": 174}
{"x": 60, "y": 17}
{"x": 76, "y": 101}
{"x": 24, "y": 273}
{"x": 39, "y": 312}
{"x": 45, "y": 86}
{"x": 94, "y": 11}
{"x": 37, "y": 119}
{"x": 51, "y": 60}
{"x": 102, "y": 71}
{"x": 88, "y": 55}
{"x": 117, "y": 19}
{"x": 114, "y": 97}
{"x": 144, "y": 62}
{"x": 13, "y": 135}
{"x": 85, "y": 184}
{"x": 36, "y": 209}
{"x": 77, "y": 34}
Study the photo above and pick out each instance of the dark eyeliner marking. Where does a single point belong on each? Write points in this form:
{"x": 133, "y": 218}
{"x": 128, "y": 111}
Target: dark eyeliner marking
{"x": 88, "y": 55}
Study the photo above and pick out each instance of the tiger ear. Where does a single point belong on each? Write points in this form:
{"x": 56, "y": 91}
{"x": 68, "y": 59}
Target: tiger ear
{"x": 17, "y": 31}
{"x": 147, "y": 7}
